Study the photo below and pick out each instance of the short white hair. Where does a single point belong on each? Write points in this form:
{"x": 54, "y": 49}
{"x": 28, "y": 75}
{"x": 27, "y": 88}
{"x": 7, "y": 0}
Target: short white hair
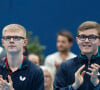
{"x": 45, "y": 68}
{"x": 14, "y": 28}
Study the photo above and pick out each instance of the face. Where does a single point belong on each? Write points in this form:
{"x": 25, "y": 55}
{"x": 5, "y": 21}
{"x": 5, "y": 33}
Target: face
{"x": 47, "y": 79}
{"x": 89, "y": 45}
{"x": 13, "y": 42}
{"x": 34, "y": 59}
{"x": 63, "y": 44}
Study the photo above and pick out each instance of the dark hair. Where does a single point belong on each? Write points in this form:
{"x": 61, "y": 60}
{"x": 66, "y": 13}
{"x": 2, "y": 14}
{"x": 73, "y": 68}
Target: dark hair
{"x": 26, "y": 51}
{"x": 66, "y": 34}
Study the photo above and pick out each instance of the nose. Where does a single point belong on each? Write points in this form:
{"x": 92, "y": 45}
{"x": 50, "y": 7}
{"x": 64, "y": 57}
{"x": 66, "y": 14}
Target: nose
{"x": 87, "y": 40}
{"x": 11, "y": 40}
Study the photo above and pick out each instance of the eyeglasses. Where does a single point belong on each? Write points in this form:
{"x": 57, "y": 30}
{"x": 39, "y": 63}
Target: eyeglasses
{"x": 90, "y": 37}
{"x": 15, "y": 38}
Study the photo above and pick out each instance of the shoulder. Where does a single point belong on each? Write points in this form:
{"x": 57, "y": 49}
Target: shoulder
{"x": 52, "y": 56}
{"x": 69, "y": 63}
{"x": 72, "y": 55}
{"x": 2, "y": 65}
{"x": 33, "y": 68}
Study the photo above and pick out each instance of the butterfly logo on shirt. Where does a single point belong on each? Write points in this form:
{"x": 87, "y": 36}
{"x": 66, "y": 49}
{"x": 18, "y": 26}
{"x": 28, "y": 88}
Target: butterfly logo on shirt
{"x": 22, "y": 78}
{"x": 98, "y": 74}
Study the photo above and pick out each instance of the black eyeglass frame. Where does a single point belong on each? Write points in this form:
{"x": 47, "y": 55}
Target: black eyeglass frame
{"x": 16, "y": 38}
{"x": 90, "y": 37}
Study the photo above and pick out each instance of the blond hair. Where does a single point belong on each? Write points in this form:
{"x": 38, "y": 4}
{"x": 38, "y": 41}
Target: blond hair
{"x": 45, "y": 68}
{"x": 89, "y": 25}
{"x": 14, "y": 28}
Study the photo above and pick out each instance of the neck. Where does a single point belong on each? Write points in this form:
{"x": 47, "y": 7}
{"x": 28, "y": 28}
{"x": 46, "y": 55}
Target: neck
{"x": 64, "y": 55}
{"x": 89, "y": 55}
{"x": 14, "y": 60}
{"x": 48, "y": 88}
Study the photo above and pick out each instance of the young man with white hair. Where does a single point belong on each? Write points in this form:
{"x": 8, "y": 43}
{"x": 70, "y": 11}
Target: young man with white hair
{"x": 17, "y": 72}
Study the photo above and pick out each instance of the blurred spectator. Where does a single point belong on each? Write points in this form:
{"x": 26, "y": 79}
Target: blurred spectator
{"x": 25, "y": 51}
{"x": 2, "y": 53}
{"x": 48, "y": 79}
{"x": 34, "y": 58}
{"x": 64, "y": 44}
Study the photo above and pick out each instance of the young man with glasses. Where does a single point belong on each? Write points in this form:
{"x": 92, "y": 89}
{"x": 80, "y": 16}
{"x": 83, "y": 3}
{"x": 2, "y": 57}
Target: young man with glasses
{"x": 17, "y": 72}
{"x": 82, "y": 72}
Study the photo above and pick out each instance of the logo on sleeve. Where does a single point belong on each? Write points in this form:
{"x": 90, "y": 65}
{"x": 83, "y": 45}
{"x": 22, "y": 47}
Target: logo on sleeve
{"x": 22, "y": 78}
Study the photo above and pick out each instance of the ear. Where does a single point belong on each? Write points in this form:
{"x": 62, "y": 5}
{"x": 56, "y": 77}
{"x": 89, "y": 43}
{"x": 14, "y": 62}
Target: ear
{"x": 99, "y": 43}
{"x": 2, "y": 41}
{"x": 77, "y": 39}
{"x": 71, "y": 43}
{"x": 25, "y": 42}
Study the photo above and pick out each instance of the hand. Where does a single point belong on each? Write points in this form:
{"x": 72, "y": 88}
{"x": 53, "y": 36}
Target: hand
{"x": 79, "y": 78}
{"x": 6, "y": 85}
{"x": 57, "y": 64}
{"x": 94, "y": 74}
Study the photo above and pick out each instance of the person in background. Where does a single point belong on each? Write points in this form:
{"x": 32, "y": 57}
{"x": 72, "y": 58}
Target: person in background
{"x": 48, "y": 78}
{"x": 34, "y": 58}
{"x": 64, "y": 44}
{"x": 25, "y": 51}
{"x": 3, "y": 54}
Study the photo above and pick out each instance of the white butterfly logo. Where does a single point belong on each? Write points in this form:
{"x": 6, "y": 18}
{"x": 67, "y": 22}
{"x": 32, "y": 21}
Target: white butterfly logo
{"x": 22, "y": 78}
{"x": 98, "y": 74}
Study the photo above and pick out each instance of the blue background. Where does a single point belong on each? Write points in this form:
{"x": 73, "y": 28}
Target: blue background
{"x": 46, "y": 17}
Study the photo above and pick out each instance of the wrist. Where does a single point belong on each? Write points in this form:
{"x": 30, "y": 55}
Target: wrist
{"x": 75, "y": 86}
{"x": 13, "y": 89}
{"x": 96, "y": 83}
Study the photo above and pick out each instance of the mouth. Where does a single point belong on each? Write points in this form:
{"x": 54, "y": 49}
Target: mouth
{"x": 86, "y": 45}
{"x": 11, "y": 46}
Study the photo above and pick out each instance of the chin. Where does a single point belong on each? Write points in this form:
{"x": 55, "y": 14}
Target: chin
{"x": 87, "y": 52}
{"x": 12, "y": 51}
{"x": 45, "y": 85}
{"x": 61, "y": 50}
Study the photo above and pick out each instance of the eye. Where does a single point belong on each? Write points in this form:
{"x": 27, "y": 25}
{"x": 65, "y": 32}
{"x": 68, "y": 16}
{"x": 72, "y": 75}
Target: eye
{"x": 8, "y": 37}
{"x": 16, "y": 37}
{"x": 92, "y": 37}
{"x": 82, "y": 36}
